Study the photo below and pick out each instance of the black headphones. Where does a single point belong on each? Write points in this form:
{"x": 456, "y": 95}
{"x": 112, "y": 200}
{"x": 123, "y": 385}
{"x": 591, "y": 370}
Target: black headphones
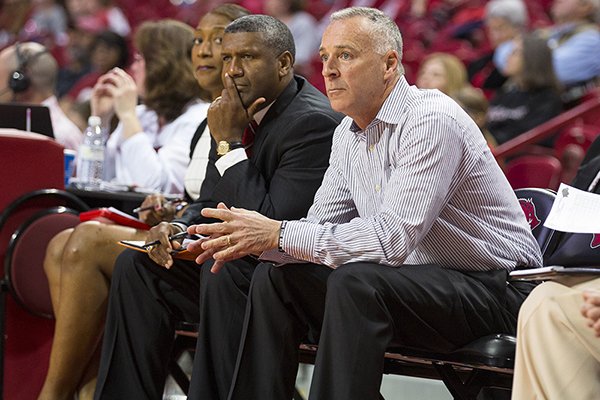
{"x": 18, "y": 81}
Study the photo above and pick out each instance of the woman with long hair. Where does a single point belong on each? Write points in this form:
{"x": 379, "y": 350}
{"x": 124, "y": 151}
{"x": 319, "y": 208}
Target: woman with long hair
{"x": 442, "y": 71}
{"x": 531, "y": 95}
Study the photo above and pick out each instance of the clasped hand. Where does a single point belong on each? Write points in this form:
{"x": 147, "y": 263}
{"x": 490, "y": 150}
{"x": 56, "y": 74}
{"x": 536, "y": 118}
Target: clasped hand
{"x": 228, "y": 116}
{"x": 241, "y": 233}
{"x": 114, "y": 92}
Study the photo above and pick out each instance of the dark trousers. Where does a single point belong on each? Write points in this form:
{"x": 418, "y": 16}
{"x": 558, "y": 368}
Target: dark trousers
{"x": 146, "y": 302}
{"x": 223, "y": 299}
{"x": 354, "y": 313}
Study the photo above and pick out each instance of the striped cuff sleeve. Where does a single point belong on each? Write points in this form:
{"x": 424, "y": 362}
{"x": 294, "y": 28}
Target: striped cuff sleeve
{"x": 299, "y": 239}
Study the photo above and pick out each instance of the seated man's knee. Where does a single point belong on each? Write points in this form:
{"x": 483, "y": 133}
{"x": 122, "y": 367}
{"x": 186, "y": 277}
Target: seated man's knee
{"x": 538, "y": 300}
{"x": 128, "y": 262}
{"x": 350, "y": 276}
{"x": 269, "y": 279}
{"x": 262, "y": 276}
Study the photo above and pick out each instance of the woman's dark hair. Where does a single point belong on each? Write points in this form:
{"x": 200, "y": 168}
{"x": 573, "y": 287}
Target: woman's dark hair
{"x": 116, "y": 41}
{"x": 538, "y": 72}
{"x": 166, "y": 46}
{"x": 230, "y": 11}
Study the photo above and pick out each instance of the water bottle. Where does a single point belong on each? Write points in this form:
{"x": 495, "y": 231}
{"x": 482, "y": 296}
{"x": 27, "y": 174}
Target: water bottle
{"x": 90, "y": 159}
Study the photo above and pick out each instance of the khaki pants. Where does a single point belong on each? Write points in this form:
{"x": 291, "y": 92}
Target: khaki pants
{"x": 558, "y": 355}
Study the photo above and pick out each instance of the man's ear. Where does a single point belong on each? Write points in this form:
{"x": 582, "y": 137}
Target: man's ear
{"x": 391, "y": 63}
{"x": 285, "y": 63}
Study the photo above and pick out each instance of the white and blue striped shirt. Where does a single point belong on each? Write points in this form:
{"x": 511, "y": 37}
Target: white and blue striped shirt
{"x": 419, "y": 185}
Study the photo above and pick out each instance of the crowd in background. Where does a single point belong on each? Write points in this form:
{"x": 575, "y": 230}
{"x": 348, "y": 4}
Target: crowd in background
{"x": 495, "y": 54}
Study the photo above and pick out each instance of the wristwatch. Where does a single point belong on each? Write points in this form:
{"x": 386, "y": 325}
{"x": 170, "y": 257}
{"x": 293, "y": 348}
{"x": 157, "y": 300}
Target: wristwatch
{"x": 224, "y": 147}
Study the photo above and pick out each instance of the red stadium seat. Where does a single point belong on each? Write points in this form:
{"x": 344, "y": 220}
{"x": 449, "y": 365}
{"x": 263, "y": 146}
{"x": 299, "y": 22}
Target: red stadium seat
{"x": 540, "y": 171}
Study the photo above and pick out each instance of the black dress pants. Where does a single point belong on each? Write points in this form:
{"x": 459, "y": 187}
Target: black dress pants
{"x": 223, "y": 299}
{"x": 145, "y": 303}
{"x": 355, "y": 313}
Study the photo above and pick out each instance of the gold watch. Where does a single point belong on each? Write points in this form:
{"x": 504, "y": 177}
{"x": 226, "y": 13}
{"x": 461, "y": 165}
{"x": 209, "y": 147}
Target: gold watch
{"x": 224, "y": 147}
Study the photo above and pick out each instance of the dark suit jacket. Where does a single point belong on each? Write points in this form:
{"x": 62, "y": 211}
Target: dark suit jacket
{"x": 290, "y": 155}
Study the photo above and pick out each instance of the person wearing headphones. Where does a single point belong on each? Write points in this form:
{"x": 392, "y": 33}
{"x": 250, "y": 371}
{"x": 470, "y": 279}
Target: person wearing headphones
{"x": 30, "y": 73}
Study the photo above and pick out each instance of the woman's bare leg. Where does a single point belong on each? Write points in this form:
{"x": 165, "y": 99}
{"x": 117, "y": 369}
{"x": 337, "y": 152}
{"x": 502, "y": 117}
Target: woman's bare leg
{"x": 53, "y": 265}
{"x": 87, "y": 264}
{"x": 87, "y": 385}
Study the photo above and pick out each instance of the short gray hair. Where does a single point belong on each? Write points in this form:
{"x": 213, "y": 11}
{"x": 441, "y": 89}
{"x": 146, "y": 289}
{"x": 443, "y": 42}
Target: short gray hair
{"x": 513, "y": 11}
{"x": 384, "y": 30}
{"x": 39, "y": 65}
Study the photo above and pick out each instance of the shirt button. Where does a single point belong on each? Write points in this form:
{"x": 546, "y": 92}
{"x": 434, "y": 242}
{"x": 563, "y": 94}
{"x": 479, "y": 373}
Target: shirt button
{"x": 377, "y": 188}
{"x": 371, "y": 147}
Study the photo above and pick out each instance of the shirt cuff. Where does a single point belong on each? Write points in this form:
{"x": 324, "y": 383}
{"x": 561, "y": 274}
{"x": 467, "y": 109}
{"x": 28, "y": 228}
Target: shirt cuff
{"x": 230, "y": 159}
{"x": 278, "y": 258}
{"x": 298, "y": 240}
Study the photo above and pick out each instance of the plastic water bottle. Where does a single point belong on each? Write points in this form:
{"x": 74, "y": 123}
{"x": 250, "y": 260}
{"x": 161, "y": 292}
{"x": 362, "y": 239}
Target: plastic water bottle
{"x": 90, "y": 159}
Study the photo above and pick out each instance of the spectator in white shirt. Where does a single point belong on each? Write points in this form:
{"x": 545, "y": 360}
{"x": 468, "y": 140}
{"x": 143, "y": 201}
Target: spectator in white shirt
{"x": 150, "y": 146}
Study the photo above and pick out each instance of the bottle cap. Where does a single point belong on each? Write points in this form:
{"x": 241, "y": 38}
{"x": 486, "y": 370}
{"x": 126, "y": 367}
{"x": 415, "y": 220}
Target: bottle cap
{"x": 94, "y": 120}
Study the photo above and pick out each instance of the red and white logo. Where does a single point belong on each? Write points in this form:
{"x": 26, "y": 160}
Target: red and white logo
{"x": 528, "y": 207}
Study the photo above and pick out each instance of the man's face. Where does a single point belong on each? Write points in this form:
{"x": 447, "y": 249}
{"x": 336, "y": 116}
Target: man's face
{"x": 353, "y": 71}
{"x": 500, "y": 30}
{"x": 252, "y": 65}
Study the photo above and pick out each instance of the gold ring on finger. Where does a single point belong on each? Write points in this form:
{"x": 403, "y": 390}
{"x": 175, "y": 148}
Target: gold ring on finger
{"x": 228, "y": 240}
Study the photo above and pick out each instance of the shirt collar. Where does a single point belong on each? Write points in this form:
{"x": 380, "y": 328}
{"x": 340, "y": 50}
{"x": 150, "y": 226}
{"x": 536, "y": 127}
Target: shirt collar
{"x": 259, "y": 115}
{"x": 50, "y": 101}
{"x": 388, "y": 112}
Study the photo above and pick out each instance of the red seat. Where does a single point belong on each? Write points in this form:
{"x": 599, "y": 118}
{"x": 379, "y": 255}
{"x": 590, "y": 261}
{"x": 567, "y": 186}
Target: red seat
{"x": 572, "y": 144}
{"x": 579, "y": 133}
{"x": 25, "y": 279}
{"x": 539, "y": 171}
{"x": 29, "y": 161}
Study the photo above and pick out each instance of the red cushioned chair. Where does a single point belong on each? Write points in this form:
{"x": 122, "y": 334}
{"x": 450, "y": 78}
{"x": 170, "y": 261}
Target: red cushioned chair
{"x": 29, "y": 162}
{"x": 24, "y": 277}
{"x": 540, "y": 171}
{"x": 572, "y": 144}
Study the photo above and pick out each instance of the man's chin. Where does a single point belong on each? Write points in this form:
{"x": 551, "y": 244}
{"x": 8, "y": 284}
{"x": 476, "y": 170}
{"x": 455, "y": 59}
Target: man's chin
{"x": 337, "y": 104}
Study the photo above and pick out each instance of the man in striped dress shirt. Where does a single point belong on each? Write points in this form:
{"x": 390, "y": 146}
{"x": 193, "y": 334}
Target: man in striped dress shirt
{"x": 409, "y": 240}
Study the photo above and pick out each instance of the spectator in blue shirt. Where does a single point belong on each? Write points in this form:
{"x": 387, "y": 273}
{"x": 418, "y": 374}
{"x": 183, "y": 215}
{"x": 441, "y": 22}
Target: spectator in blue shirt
{"x": 575, "y": 41}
